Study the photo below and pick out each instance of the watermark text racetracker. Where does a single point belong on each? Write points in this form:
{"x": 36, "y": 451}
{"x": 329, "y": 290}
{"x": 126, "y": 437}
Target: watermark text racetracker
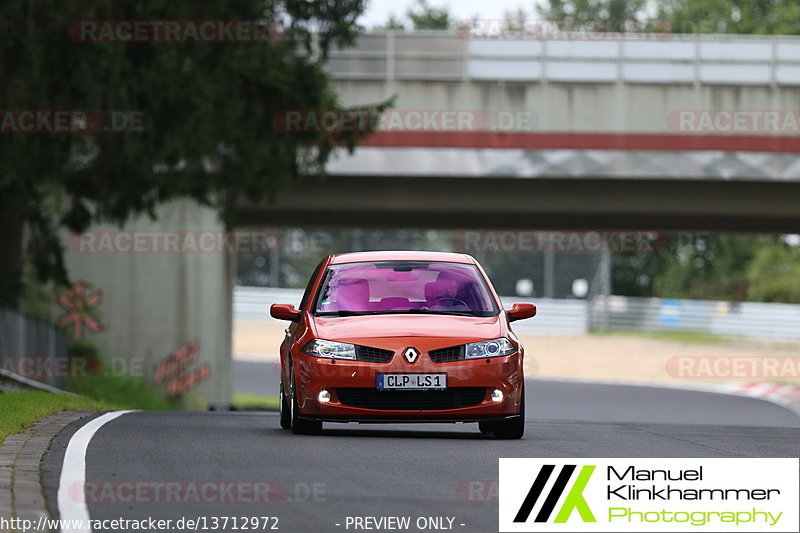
{"x": 471, "y": 241}
{"x": 73, "y": 121}
{"x": 719, "y": 121}
{"x": 175, "y": 31}
{"x": 412, "y": 120}
{"x": 477, "y": 490}
{"x": 532, "y": 29}
{"x": 214, "y": 241}
{"x": 593, "y": 29}
{"x": 196, "y": 492}
{"x": 44, "y": 367}
{"x": 734, "y": 367}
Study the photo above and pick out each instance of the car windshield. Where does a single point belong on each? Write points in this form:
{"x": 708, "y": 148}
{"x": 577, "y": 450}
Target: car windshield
{"x": 404, "y": 287}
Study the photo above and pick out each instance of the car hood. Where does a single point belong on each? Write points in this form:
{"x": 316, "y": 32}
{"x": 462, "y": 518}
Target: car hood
{"x": 447, "y": 329}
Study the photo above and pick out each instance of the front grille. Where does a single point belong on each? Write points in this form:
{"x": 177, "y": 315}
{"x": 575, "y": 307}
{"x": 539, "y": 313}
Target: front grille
{"x": 447, "y": 355}
{"x": 398, "y": 400}
{"x": 373, "y": 355}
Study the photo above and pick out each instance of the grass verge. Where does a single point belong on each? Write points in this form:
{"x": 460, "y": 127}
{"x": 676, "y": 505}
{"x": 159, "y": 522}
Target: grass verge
{"x": 19, "y": 410}
{"x": 130, "y": 392}
{"x": 256, "y": 401}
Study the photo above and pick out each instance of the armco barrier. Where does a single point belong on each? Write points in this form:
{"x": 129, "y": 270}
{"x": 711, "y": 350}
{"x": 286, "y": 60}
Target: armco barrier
{"x": 780, "y": 322}
{"x": 32, "y": 341}
{"x": 555, "y": 317}
{"x": 754, "y": 320}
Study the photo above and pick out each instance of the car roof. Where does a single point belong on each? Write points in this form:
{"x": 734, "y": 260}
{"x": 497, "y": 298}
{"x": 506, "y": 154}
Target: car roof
{"x": 359, "y": 257}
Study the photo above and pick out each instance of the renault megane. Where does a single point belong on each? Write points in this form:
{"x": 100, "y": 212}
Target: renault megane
{"x": 402, "y": 337}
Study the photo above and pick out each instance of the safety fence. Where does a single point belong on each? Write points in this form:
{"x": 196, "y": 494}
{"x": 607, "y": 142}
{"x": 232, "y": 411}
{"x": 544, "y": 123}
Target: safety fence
{"x": 556, "y": 316}
{"x": 708, "y": 59}
{"x": 780, "y": 322}
{"x": 30, "y": 349}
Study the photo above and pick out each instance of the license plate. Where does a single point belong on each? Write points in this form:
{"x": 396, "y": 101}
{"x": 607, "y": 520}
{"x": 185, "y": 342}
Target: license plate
{"x": 412, "y": 381}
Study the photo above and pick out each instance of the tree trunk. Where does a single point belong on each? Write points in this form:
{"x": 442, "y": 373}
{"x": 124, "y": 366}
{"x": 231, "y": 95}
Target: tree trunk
{"x": 10, "y": 259}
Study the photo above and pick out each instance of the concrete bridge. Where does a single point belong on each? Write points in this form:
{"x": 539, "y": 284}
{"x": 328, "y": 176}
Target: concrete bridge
{"x": 659, "y": 133}
{"x": 673, "y": 132}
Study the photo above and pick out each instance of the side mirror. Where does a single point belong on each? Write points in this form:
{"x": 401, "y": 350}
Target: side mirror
{"x": 284, "y": 312}
{"x": 521, "y": 311}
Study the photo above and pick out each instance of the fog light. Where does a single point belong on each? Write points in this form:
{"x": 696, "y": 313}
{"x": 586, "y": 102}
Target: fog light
{"x": 497, "y": 395}
{"x": 324, "y": 396}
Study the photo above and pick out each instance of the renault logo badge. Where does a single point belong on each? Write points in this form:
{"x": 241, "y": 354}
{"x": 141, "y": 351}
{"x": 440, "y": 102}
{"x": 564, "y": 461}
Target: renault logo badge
{"x": 410, "y": 354}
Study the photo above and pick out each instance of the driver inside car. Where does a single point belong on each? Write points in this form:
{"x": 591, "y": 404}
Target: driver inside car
{"x": 443, "y": 294}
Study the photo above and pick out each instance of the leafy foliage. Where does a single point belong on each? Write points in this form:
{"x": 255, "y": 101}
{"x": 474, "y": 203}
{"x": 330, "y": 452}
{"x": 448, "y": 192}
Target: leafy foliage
{"x": 766, "y": 17}
{"x": 708, "y": 266}
{"x": 427, "y": 17}
{"x": 774, "y": 274}
{"x": 209, "y": 133}
{"x": 599, "y": 12}
{"x": 393, "y": 23}
{"x": 713, "y": 267}
{"x": 421, "y": 16}
{"x": 769, "y": 17}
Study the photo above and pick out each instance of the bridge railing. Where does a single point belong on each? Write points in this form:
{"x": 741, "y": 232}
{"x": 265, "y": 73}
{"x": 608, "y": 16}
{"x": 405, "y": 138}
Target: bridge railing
{"x": 656, "y": 58}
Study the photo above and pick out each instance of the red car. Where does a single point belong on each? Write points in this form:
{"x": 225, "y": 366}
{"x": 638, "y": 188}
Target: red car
{"x": 402, "y": 337}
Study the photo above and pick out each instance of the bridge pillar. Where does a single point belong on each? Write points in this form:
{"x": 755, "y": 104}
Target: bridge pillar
{"x": 161, "y": 292}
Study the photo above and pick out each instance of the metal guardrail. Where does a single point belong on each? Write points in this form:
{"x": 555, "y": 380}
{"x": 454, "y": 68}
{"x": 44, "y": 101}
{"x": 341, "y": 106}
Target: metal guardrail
{"x": 254, "y": 302}
{"x": 11, "y": 382}
{"x": 779, "y": 322}
{"x": 555, "y": 316}
{"x": 654, "y": 58}
{"x": 30, "y": 349}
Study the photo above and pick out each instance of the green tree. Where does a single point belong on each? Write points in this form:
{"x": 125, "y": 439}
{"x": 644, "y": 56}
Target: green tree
{"x": 709, "y": 266}
{"x": 514, "y": 21}
{"x": 601, "y": 15}
{"x": 210, "y": 133}
{"x": 774, "y": 274}
{"x": 392, "y": 23}
{"x": 768, "y": 17}
{"x": 424, "y": 16}
{"x": 635, "y": 273}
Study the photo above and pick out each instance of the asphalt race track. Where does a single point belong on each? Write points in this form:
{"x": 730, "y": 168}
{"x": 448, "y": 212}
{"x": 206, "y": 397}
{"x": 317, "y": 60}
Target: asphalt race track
{"x": 593, "y": 402}
{"x": 410, "y": 470}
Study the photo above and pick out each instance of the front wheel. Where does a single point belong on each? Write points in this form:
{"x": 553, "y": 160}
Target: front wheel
{"x": 299, "y": 425}
{"x": 286, "y": 411}
{"x": 513, "y": 428}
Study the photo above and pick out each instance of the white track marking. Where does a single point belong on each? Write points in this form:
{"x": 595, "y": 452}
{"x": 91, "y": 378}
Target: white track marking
{"x": 71, "y": 498}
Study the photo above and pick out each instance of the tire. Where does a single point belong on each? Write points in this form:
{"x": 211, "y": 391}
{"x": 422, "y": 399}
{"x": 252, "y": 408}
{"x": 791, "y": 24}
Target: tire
{"x": 512, "y": 428}
{"x": 485, "y": 427}
{"x": 299, "y": 425}
{"x": 286, "y": 411}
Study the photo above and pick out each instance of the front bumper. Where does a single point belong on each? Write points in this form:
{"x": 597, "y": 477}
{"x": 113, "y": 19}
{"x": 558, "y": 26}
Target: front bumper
{"x": 315, "y": 374}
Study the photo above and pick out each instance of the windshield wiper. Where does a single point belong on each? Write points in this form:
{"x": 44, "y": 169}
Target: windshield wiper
{"x": 344, "y": 313}
{"x": 420, "y": 311}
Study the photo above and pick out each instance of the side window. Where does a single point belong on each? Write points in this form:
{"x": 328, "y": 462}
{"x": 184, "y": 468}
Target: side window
{"x": 307, "y": 294}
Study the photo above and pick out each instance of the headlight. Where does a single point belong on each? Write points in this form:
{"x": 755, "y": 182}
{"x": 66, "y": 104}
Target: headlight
{"x": 492, "y": 348}
{"x": 330, "y": 349}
